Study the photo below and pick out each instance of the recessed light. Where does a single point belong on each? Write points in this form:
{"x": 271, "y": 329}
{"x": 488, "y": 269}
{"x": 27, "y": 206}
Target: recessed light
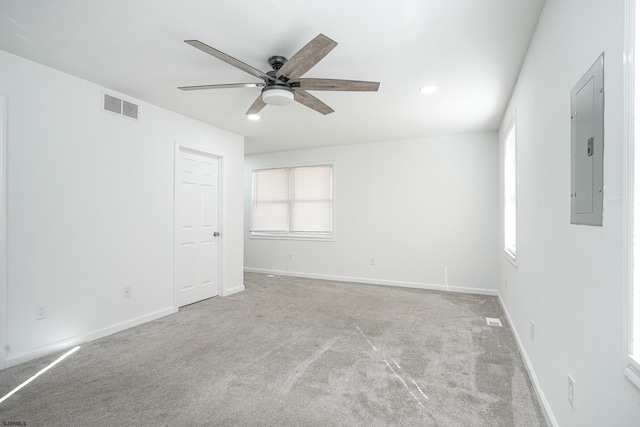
{"x": 253, "y": 117}
{"x": 429, "y": 89}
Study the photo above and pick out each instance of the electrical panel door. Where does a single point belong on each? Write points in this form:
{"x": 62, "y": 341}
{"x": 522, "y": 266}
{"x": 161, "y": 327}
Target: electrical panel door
{"x": 587, "y": 146}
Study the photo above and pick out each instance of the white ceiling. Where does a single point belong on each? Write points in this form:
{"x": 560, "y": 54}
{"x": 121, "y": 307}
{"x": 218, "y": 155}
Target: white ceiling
{"x": 471, "y": 49}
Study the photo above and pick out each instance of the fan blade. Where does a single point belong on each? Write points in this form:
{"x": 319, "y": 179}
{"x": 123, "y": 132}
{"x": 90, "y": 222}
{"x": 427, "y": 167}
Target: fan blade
{"x": 229, "y": 59}
{"x": 307, "y": 57}
{"x": 333, "y": 84}
{"x": 308, "y": 100}
{"x": 257, "y": 105}
{"x": 221, "y": 86}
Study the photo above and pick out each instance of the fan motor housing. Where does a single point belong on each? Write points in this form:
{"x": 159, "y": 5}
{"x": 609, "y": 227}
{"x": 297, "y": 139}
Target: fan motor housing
{"x": 277, "y": 62}
{"x": 277, "y": 92}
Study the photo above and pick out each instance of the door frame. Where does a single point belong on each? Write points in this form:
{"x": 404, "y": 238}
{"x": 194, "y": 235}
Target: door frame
{"x": 3, "y": 232}
{"x": 209, "y": 152}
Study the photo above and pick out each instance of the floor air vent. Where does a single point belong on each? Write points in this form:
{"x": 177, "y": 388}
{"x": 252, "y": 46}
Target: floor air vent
{"x": 492, "y": 321}
{"x": 119, "y": 106}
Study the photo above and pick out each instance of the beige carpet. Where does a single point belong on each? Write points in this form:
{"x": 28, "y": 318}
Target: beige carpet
{"x": 292, "y": 352}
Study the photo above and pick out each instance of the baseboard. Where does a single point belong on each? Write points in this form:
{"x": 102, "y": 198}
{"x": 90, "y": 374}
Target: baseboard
{"x": 80, "y": 339}
{"x": 227, "y": 292}
{"x": 369, "y": 281}
{"x": 546, "y": 408}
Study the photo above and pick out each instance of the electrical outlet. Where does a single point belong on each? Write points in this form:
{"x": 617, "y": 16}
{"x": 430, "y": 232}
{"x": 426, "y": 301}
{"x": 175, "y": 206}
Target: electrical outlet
{"x": 571, "y": 392}
{"x": 290, "y": 257}
{"x": 126, "y": 292}
{"x": 533, "y": 331}
{"x": 372, "y": 261}
{"x": 41, "y": 311}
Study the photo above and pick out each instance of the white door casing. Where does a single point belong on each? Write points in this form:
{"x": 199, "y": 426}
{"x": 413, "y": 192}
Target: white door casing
{"x": 3, "y": 234}
{"x": 197, "y": 221}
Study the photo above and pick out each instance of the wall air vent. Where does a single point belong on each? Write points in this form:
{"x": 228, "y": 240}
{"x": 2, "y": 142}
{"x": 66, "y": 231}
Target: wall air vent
{"x": 119, "y": 106}
{"x": 113, "y": 104}
{"x": 130, "y": 110}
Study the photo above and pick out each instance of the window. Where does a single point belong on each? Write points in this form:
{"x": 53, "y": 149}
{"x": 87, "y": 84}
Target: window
{"x": 510, "y": 193}
{"x": 293, "y": 202}
{"x": 631, "y": 191}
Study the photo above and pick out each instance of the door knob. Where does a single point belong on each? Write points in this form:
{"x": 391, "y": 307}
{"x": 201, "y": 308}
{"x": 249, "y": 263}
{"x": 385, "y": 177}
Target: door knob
{"x": 216, "y": 234}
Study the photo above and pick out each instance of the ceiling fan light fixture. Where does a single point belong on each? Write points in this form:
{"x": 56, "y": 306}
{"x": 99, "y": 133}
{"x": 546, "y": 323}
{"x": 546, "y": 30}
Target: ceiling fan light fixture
{"x": 279, "y": 84}
{"x": 277, "y": 96}
{"x": 254, "y": 117}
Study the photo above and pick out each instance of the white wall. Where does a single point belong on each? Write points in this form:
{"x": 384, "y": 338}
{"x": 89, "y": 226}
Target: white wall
{"x": 90, "y": 209}
{"x": 569, "y": 277}
{"x": 418, "y": 207}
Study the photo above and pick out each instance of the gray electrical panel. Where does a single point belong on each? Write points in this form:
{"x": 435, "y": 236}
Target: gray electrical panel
{"x": 587, "y": 146}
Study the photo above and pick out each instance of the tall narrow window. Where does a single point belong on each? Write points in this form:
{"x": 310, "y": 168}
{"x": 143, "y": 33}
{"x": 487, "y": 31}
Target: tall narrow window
{"x": 510, "y": 193}
{"x": 294, "y": 202}
{"x": 632, "y": 182}
{"x": 636, "y": 212}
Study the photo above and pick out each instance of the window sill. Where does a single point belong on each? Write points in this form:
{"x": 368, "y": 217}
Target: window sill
{"x": 633, "y": 375}
{"x": 292, "y": 237}
{"x": 511, "y": 258}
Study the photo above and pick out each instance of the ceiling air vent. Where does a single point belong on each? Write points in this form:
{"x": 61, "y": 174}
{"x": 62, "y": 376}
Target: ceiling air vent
{"x": 116, "y": 105}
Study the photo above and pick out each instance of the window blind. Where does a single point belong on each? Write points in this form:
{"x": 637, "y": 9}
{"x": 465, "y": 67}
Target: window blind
{"x": 295, "y": 201}
{"x": 311, "y": 201}
{"x": 270, "y": 204}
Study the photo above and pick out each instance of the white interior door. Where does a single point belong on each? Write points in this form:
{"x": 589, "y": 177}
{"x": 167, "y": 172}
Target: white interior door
{"x": 197, "y": 215}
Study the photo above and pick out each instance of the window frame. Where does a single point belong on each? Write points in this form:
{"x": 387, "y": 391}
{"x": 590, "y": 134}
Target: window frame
{"x": 512, "y": 128}
{"x": 631, "y": 363}
{"x": 296, "y": 235}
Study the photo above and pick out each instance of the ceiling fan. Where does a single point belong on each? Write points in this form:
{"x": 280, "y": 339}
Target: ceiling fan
{"x": 284, "y": 84}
